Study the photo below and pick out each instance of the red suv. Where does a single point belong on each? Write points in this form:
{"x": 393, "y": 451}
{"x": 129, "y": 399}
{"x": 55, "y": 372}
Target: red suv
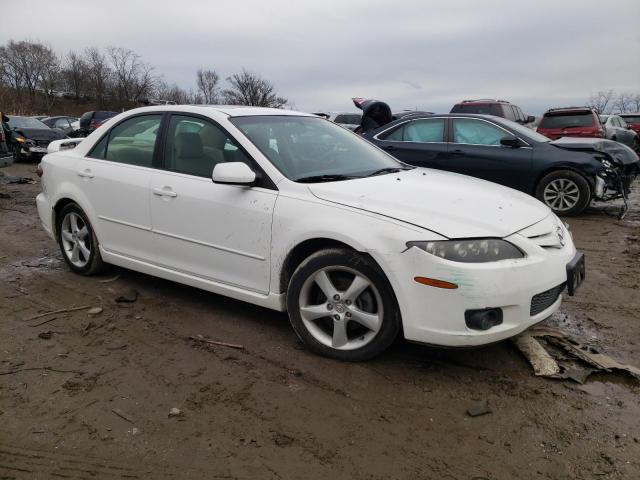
{"x": 633, "y": 120}
{"x": 571, "y": 122}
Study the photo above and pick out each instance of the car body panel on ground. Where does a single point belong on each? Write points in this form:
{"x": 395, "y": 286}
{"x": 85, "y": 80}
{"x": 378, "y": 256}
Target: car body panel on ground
{"x": 154, "y": 208}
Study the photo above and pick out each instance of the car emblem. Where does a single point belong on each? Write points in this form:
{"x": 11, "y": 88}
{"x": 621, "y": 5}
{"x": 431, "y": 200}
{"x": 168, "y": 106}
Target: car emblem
{"x": 560, "y": 234}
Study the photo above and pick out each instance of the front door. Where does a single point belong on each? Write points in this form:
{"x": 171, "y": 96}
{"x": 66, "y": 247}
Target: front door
{"x": 217, "y": 232}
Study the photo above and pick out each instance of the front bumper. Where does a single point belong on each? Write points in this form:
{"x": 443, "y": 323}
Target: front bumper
{"x": 437, "y": 316}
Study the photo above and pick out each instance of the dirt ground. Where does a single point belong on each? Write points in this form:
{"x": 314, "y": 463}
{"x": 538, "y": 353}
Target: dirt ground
{"x": 89, "y": 396}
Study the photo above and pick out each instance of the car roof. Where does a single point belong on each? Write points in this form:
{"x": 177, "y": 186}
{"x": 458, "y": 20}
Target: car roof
{"x": 229, "y": 110}
{"x": 483, "y": 101}
{"x": 561, "y": 110}
{"x": 628, "y": 114}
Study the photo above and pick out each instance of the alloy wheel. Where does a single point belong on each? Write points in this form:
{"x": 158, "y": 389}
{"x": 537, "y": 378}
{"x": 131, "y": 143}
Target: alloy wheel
{"x": 561, "y": 194}
{"x": 76, "y": 240}
{"x": 341, "y": 308}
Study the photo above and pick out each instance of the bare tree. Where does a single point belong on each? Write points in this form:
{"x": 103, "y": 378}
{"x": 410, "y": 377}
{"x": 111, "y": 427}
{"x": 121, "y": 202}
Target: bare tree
{"x": 602, "y": 101}
{"x": 247, "y": 88}
{"x": 75, "y": 74}
{"x": 98, "y": 75}
{"x": 134, "y": 79}
{"x": 207, "y": 81}
{"x": 634, "y": 103}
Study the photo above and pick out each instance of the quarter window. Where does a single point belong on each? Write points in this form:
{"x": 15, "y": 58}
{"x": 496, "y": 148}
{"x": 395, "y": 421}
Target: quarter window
{"x": 431, "y": 130}
{"x": 476, "y": 132}
{"x": 131, "y": 142}
{"x": 194, "y": 146}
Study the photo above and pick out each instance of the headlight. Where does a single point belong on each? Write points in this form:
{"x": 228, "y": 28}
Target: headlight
{"x": 475, "y": 250}
{"x": 21, "y": 139}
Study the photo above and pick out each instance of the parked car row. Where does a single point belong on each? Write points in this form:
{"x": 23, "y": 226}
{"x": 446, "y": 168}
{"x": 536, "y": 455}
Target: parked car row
{"x": 566, "y": 173}
{"x": 294, "y": 213}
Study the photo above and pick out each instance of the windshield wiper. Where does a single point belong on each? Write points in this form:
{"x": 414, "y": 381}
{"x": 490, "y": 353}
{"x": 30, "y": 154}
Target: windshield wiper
{"x": 389, "y": 170}
{"x": 324, "y": 178}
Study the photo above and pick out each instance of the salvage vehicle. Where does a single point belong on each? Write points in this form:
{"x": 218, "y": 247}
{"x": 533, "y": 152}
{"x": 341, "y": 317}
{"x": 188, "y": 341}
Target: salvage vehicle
{"x": 291, "y": 212}
{"x": 632, "y": 119}
{"x": 89, "y": 121}
{"x": 497, "y": 108}
{"x": 68, "y": 125}
{"x": 565, "y": 175}
{"x": 29, "y": 137}
{"x": 571, "y": 122}
{"x": 615, "y": 128}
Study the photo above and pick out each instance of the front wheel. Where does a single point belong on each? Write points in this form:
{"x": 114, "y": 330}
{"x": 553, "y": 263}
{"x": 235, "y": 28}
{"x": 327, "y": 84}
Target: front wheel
{"x": 78, "y": 242}
{"x": 342, "y": 306}
{"x": 564, "y": 191}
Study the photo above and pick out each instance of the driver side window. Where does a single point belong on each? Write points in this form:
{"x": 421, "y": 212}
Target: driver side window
{"x": 476, "y": 132}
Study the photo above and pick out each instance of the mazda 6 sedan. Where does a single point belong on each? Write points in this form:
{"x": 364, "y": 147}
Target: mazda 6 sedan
{"x": 294, "y": 213}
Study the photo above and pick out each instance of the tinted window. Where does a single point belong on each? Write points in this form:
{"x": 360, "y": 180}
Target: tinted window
{"x": 632, "y": 118}
{"x": 482, "y": 108}
{"x": 131, "y": 142}
{"x": 567, "y": 120}
{"x": 101, "y": 115}
{"x": 476, "y": 132}
{"x": 431, "y": 130}
{"x": 308, "y": 146}
{"x": 350, "y": 119}
{"x": 195, "y": 146}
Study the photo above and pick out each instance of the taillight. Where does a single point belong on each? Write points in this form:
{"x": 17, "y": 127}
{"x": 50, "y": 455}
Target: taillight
{"x": 39, "y": 170}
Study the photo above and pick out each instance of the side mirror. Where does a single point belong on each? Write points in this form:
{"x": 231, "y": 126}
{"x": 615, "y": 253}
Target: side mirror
{"x": 233, "y": 173}
{"x": 530, "y": 119}
{"x": 510, "y": 141}
{"x": 65, "y": 144}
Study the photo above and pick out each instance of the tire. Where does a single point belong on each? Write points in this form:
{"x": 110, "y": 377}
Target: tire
{"x": 575, "y": 189}
{"x": 70, "y": 224}
{"x": 354, "y": 326}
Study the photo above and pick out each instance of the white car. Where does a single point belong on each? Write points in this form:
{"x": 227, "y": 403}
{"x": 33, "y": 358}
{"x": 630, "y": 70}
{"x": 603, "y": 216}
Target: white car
{"x": 291, "y": 212}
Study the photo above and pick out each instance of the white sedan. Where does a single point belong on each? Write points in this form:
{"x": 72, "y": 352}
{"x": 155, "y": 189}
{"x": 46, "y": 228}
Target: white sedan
{"x": 292, "y": 212}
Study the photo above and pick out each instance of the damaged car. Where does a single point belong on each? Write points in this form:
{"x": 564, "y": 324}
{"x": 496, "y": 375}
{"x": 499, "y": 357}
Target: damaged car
{"x": 292, "y": 212}
{"x": 566, "y": 174}
{"x": 28, "y": 138}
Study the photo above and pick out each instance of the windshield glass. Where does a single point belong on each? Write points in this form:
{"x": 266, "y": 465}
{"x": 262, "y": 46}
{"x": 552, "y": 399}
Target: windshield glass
{"x": 25, "y": 122}
{"x": 525, "y": 132}
{"x": 567, "y": 120}
{"x": 303, "y": 147}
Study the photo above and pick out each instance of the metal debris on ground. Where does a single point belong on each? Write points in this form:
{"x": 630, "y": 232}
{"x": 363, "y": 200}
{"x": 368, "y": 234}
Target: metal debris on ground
{"x": 554, "y": 354}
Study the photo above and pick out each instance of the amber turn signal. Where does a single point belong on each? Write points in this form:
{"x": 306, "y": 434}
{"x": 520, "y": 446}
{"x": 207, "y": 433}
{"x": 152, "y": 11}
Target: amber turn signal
{"x": 432, "y": 282}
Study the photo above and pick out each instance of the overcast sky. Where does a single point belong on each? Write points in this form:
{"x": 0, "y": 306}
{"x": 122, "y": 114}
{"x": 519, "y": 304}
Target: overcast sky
{"x": 411, "y": 54}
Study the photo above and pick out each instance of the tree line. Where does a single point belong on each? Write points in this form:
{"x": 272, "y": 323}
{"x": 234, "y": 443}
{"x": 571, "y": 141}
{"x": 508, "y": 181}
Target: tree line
{"x": 609, "y": 101}
{"x": 34, "y": 79}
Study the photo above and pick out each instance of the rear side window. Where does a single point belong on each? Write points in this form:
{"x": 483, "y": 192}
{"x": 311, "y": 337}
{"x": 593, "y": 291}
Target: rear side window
{"x": 509, "y": 113}
{"x": 482, "y": 109}
{"x": 567, "y": 120}
{"x": 476, "y": 132}
{"x": 131, "y": 142}
{"x": 431, "y": 130}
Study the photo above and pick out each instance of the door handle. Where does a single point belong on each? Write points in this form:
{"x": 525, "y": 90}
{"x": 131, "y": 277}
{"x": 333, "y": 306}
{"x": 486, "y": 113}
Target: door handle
{"x": 86, "y": 173}
{"x": 165, "y": 192}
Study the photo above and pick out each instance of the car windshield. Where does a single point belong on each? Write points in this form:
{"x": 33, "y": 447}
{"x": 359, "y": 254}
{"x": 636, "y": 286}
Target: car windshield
{"x": 25, "y": 122}
{"x": 314, "y": 149}
{"x": 567, "y": 120}
{"x": 525, "y": 132}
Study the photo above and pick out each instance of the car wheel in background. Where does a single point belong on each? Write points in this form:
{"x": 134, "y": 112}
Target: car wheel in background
{"x": 342, "y": 306}
{"x": 565, "y": 192}
{"x": 78, "y": 242}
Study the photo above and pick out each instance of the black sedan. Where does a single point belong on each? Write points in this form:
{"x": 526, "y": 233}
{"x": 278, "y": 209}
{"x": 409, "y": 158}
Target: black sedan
{"x": 566, "y": 174}
{"x": 29, "y": 138}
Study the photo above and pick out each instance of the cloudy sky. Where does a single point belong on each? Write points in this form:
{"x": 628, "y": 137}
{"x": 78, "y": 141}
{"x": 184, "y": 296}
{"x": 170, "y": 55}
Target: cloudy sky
{"x": 411, "y": 53}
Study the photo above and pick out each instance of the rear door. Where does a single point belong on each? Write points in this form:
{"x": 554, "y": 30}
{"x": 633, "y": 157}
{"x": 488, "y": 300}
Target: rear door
{"x": 115, "y": 177}
{"x": 419, "y": 142}
{"x": 217, "y": 232}
{"x": 475, "y": 150}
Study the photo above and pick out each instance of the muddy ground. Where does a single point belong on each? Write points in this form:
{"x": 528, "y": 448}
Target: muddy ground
{"x": 89, "y": 397}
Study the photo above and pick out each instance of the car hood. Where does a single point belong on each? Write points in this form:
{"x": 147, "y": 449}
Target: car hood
{"x": 452, "y": 205}
{"x": 616, "y": 150}
{"x": 41, "y": 133}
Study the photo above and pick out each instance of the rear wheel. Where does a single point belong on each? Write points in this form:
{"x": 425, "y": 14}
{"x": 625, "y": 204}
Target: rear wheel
{"x": 342, "y": 306}
{"x": 565, "y": 192}
{"x": 78, "y": 242}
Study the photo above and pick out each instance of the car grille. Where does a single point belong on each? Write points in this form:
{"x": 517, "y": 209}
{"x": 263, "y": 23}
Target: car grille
{"x": 544, "y": 300}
